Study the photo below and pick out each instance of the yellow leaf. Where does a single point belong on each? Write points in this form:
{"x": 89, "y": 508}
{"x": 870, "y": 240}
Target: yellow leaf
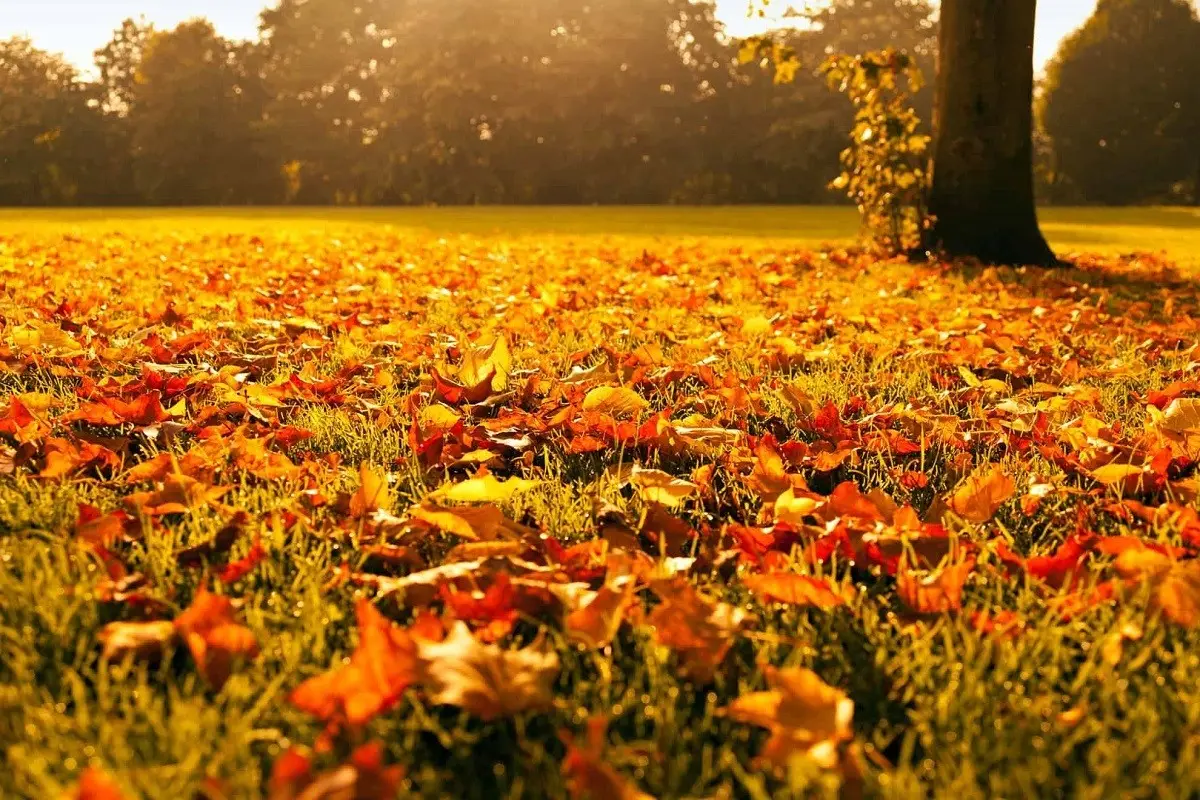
{"x": 615, "y": 401}
{"x": 1183, "y": 414}
{"x": 470, "y": 522}
{"x": 656, "y": 486}
{"x": 486, "y": 489}
{"x": 372, "y": 493}
{"x": 804, "y": 714}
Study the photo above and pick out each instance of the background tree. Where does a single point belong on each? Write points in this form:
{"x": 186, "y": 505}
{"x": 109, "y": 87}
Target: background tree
{"x": 50, "y": 126}
{"x": 1122, "y": 104}
{"x": 195, "y": 112}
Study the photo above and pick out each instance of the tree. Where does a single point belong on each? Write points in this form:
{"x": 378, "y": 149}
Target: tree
{"x": 48, "y": 123}
{"x": 981, "y": 195}
{"x": 195, "y": 113}
{"x": 1122, "y": 105}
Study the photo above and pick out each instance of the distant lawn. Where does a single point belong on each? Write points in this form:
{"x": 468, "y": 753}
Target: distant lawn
{"x": 1107, "y": 230}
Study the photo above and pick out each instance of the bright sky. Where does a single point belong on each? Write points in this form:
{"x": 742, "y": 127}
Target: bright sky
{"x": 78, "y": 27}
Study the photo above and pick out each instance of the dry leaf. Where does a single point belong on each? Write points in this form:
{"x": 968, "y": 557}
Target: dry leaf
{"x": 588, "y": 777}
{"x": 699, "y": 631}
{"x": 383, "y": 665}
{"x": 656, "y": 486}
{"x": 596, "y": 623}
{"x": 1174, "y": 585}
{"x": 614, "y": 401}
{"x": 372, "y": 492}
{"x": 95, "y": 784}
{"x": 213, "y": 636}
{"x": 797, "y": 590}
{"x": 978, "y": 498}
{"x": 804, "y": 714}
{"x": 486, "y": 680}
{"x": 483, "y": 490}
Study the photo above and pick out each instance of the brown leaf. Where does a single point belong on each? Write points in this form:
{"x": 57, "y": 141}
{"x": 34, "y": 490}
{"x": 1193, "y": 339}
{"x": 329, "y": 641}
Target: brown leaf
{"x": 596, "y": 623}
{"x": 699, "y": 631}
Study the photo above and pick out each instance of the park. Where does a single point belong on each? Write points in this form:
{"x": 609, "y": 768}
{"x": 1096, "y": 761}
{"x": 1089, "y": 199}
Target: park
{"x": 831, "y": 431}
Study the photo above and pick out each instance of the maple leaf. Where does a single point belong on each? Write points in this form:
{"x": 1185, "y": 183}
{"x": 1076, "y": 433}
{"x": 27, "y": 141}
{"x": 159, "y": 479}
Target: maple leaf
{"x": 486, "y": 680}
{"x": 372, "y": 492}
{"x": 614, "y": 401}
{"x": 1174, "y": 585}
{"x": 588, "y": 777}
{"x": 384, "y": 664}
{"x": 490, "y": 364}
{"x": 803, "y": 713}
{"x": 215, "y": 639}
{"x": 797, "y": 590}
{"x": 699, "y": 631}
{"x": 978, "y": 498}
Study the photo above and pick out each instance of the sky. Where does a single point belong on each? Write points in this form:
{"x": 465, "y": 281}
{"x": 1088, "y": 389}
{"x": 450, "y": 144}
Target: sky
{"x": 76, "y": 28}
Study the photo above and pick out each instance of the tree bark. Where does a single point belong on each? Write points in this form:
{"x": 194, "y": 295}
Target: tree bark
{"x": 982, "y": 192}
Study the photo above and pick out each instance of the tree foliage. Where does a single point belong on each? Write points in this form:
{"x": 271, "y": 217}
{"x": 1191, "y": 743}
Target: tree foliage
{"x": 1122, "y": 105}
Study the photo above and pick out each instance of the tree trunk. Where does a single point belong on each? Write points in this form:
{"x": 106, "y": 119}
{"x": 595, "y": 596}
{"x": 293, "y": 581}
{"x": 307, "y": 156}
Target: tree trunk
{"x": 982, "y": 192}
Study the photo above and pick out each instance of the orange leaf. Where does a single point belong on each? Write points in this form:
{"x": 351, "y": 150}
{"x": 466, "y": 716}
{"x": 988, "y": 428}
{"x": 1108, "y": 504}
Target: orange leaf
{"x": 95, "y": 784}
{"x": 381, "y": 668}
{"x": 797, "y": 590}
{"x": 216, "y": 640}
{"x": 979, "y": 497}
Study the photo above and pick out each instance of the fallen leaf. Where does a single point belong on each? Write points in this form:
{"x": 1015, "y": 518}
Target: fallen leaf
{"x": 802, "y": 712}
{"x": 372, "y": 492}
{"x": 796, "y": 590}
{"x": 699, "y": 631}
{"x": 979, "y": 497}
{"x": 95, "y": 784}
{"x": 214, "y": 637}
{"x": 588, "y": 777}
{"x": 483, "y": 490}
{"x": 384, "y": 664}
{"x": 486, "y": 680}
{"x": 614, "y": 401}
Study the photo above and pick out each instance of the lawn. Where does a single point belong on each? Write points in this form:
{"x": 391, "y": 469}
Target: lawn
{"x": 594, "y": 503}
{"x": 1103, "y": 230}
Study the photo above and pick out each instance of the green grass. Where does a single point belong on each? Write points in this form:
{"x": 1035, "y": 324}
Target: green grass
{"x": 941, "y": 709}
{"x": 1105, "y": 230}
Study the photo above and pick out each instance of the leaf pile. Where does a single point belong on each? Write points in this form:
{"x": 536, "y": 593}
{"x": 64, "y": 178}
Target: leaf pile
{"x": 380, "y": 513}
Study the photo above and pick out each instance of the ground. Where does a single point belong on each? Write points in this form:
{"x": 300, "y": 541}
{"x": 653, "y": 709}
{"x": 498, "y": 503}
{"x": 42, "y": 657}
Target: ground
{"x": 537, "y": 501}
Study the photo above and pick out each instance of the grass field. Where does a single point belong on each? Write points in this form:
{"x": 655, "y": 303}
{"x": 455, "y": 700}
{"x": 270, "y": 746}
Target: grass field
{"x": 594, "y": 503}
{"x": 1105, "y": 230}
